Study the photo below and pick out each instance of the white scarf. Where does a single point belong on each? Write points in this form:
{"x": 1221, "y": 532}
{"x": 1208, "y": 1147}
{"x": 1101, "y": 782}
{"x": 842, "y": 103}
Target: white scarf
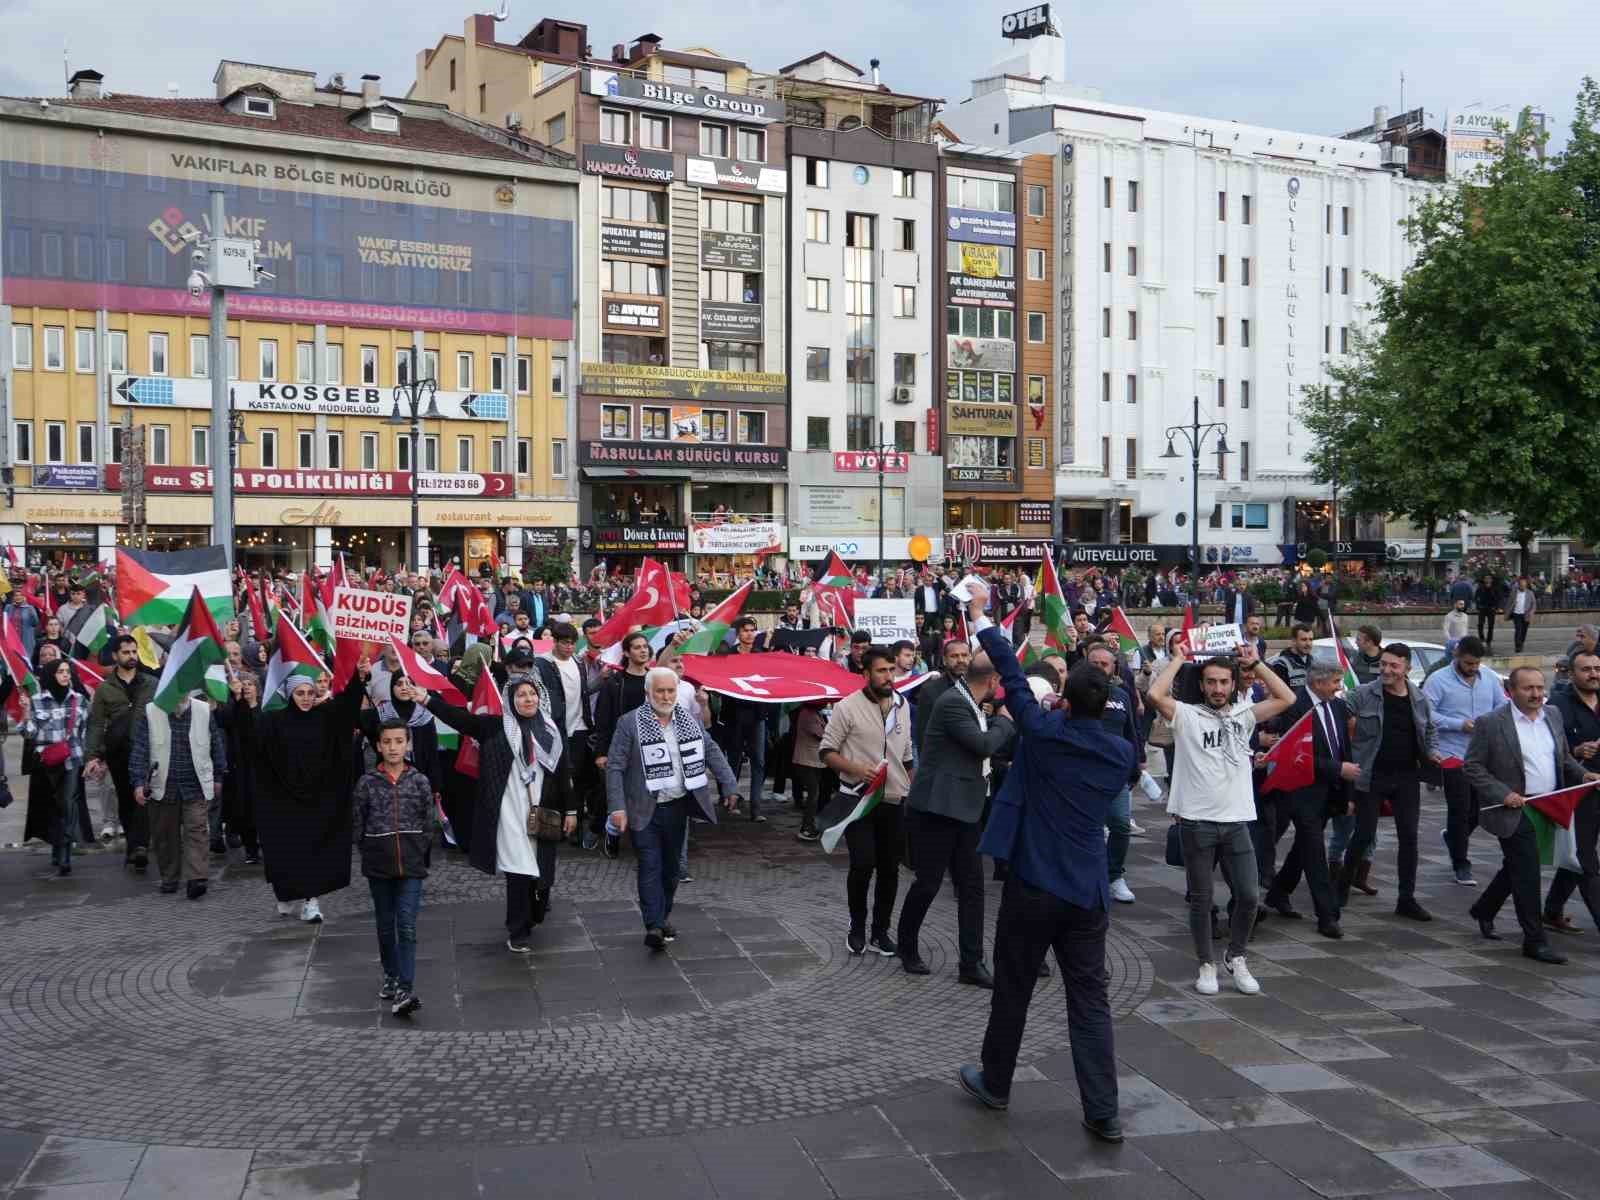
{"x": 657, "y": 759}
{"x": 983, "y": 721}
{"x": 545, "y": 758}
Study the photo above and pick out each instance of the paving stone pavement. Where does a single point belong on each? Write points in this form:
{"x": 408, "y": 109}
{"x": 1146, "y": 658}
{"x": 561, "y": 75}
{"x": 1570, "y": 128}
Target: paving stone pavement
{"x": 157, "y": 1047}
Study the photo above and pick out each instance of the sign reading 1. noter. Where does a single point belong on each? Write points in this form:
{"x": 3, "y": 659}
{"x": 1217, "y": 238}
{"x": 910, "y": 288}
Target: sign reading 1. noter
{"x": 1027, "y": 23}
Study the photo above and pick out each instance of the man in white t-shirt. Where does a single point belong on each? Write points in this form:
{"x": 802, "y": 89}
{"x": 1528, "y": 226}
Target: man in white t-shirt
{"x": 1211, "y": 798}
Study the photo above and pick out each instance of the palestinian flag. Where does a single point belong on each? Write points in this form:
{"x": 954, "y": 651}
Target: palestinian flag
{"x": 718, "y": 621}
{"x": 1349, "y": 683}
{"x": 315, "y": 615}
{"x": 870, "y": 798}
{"x": 835, "y": 590}
{"x": 1052, "y": 606}
{"x": 659, "y": 636}
{"x": 1551, "y": 811}
{"x": 293, "y": 657}
{"x": 90, "y": 674}
{"x": 258, "y": 615}
{"x": 1122, "y": 629}
{"x": 1027, "y": 655}
{"x": 16, "y": 664}
{"x": 195, "y": 661}
{"x": 154, "y": 589}
{"x": 93, "y": 626}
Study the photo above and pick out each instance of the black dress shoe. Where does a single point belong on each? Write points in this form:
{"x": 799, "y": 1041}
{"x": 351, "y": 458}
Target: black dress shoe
{"x": 1281, "y": 906}
{"x": 196, "y": 888}
{"x": 1044, "y": 970}
{"x": 913, "y": 964}
{"x": 1411, "y": 909}
{"x": 1107, "y": 1129}
{"x": 1486, "y": 928}
{"x": 1543, "y": 953}
{"x": 977, "y": 976}
{"x": 167, "y": 888}
{"x": 972, "y": 1082}
{"x": 1330, "y": 929}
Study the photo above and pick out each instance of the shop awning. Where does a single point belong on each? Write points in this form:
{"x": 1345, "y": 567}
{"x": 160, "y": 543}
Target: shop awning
{"x": 740, "y": 477}
{"x": 634, "y": 473}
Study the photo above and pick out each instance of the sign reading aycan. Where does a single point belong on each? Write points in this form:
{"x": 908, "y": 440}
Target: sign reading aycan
{"x": 324, "y": 399}
{"x": 624, "y": 162}
{"x": 682, "y": 454}
{"x": 616, "y": 85}
{"x": 634, "y": 381}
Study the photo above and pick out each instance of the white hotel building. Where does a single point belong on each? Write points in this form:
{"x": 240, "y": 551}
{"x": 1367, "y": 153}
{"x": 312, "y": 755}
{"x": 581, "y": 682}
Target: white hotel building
{"x": 1198, "y": 258}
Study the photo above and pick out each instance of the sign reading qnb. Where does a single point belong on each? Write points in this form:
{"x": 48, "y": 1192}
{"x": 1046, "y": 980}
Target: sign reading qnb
{"x": 1027, "y": 23}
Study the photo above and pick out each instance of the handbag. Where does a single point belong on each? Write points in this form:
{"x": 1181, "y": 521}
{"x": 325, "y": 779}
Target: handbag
{"x": 1174, "y": 845}
{"x": 55, "y": 754}
{"x": 544, "y": 824}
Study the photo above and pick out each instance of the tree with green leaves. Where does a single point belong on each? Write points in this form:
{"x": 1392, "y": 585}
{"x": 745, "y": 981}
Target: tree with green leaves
{"x": 1478, "y": 386}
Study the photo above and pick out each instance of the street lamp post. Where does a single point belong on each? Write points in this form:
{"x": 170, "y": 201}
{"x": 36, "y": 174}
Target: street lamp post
{"x": 1195, "y": 434}
{"x": 883, "y": 449}
{"x": 412, "y": 392}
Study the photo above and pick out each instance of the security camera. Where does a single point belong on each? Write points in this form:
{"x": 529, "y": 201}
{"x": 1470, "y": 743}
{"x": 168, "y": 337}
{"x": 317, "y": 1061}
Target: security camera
{"x": 263, "y": 273}
{"x": 197, "y": 284}
{"x": 197, "y": 256}
{"x": 191, "y": 235}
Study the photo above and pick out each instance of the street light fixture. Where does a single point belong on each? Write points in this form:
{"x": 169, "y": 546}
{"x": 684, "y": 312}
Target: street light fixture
{"x": 412, "y": 392}
{"x": 1195, "y": 435}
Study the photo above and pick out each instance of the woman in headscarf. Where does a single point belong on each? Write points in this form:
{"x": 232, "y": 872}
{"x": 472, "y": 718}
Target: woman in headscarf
{"x": 303, "y": 758}
{"x": 55, "y": 720}
{"x": 459, "y": 793}
{"x": 522, "y": 764}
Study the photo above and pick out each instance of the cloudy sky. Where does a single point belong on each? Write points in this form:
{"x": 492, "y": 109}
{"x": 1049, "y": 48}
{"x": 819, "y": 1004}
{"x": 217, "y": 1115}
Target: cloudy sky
{"x": 1304, "y": 66}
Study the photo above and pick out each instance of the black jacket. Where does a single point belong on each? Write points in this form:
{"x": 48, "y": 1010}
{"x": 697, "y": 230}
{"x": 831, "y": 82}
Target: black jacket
{"x": 394, "y": 824}
{"x": 1331, "y": 784}
{"x": 551, "y": 675}
{"x": 614, "y": 702}
{"x": 950, "y": 780}
{"x": 926, "y": 696}
{"x": 495, "y": 758}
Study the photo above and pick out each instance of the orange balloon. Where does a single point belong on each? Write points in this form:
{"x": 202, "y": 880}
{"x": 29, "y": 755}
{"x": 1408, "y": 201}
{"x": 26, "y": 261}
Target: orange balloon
{"x": 920, "y": 548}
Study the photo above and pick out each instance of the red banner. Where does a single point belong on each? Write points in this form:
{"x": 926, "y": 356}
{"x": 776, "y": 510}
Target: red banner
{"x": 252, "y": 480}
{"x": 1291, "y": 764}
{"x": 894, "y": 462}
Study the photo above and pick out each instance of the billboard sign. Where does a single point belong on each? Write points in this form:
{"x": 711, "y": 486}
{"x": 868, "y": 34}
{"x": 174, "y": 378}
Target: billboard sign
{"x": 1027, "y": 23}
{"x": 349, "y": 243}
{"x": 248, "y": 480}
{"x": 629, "y": 381}
{"x": 682, "y": 455}
{"x": 999, "y": 291}
{"x": 1473, "y": 138}
{"x": 980, "y": 354}
{"x": 624, "y": 162}
{"x": 978, "y": 225}
{"x": 679, "y": 97}
{"x": 633, "y": 241}
{"x": 730, "y": 322}
{"x": 320, "y": 399}
{"x": 983, "y": 420}
{"x": 634, "y": 314}
{"x": 735, "y": 175}
{"x": 730, "y": 251}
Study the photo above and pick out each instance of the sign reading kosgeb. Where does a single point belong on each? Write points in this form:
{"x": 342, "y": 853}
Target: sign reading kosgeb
{"x": 369, "y": 616}
{"x": 888, "y": 621}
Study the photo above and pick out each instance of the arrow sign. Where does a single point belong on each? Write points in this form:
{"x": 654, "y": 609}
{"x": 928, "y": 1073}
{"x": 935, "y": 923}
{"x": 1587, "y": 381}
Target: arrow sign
{"x": 125, "y": 389}
{"x": 466, "y": 404}
{"x": 139, "y": 390}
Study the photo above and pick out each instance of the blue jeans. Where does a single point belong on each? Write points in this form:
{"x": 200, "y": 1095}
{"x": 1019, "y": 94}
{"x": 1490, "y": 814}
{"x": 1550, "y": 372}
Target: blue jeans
{"x": 1119, "y": 820}
{"x": 395, "y": 903}
{"x": 1343, "y": 828}
{"x": 658, "y": 845}
{"x": 748, "y": 739}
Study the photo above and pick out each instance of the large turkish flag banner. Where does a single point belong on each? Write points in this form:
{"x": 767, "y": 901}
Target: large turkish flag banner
{"x": 770, "y": 678}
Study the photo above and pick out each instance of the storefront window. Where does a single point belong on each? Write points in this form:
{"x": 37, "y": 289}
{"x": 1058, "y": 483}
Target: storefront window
{"x": 166, "y": 538}
{"x": 647, "y": 503}
{"x": 632, "y": 350}
{"x": 734, "y": 501}
{"x": 368, "y": 548}
{"x": 273, "y": 548}
{"x": 981, "y": 514}
{"x": 50, "y": 544}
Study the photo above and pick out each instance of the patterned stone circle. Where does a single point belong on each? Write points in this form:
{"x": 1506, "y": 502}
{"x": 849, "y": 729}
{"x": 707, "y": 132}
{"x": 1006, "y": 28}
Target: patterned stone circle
{"x": 105, "y": 1034}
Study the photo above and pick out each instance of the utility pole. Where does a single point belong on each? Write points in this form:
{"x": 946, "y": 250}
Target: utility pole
{"x": 221, "y": 402}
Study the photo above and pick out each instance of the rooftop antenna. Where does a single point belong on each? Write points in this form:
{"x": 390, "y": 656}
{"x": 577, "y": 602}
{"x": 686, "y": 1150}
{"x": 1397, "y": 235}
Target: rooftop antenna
{"x": 502, "y": 12}
{"x": 66, "y": 67}
{"x": 1402, "y": 91}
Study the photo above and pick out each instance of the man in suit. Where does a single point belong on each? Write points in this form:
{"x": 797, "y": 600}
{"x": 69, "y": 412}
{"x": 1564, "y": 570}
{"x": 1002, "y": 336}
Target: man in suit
{"x": 659, "y": 763}
{"x": 1517, "y": 751}
{"x": 927, "y": 598}
{"x": 1237, "y": 604}
{"x": 957, "y": 660}
{"x": 1048, "y": 822}
{"x": 942, "y": 813}
{"x": 1309, "y": 807}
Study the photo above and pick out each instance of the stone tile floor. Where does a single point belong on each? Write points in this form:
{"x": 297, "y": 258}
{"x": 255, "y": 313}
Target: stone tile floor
{"x": 153, "y": 1047}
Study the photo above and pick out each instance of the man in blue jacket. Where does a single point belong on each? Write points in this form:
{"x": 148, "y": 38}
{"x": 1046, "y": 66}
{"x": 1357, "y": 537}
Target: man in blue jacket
{"x": 1048, "y": 822}
{"x": 1461, "y": 695}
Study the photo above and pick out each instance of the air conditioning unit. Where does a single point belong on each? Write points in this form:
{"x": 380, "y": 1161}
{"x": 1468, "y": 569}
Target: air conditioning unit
{"x": 1393, "y": 155}
{"x": 513, "y": 120}
{"x": 902, "y": 395}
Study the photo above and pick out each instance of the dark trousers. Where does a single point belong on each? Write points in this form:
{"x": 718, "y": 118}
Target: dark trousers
{"x": 1518, "y": 877}
{"x": 808, "y": 790}
{"x": 179, "y": 836}
{"x": 1204, "y": 843}
{"x": 1486, "y": 628}
{"x": 658, "y": 846}
{"x": 939, "y": 843}
{"x": 1272, "y": 819}
{"x": 238, "y": 813}
{"x": 1461, "y": 816}
{"x": 874, "y": 843}
{"x": 527, "y": 897}
{"x": 586, "y": 782}
{"x": 1032, "y": 921}
{"x": 744, "y": 738}
{"x": 1404, "y": 794}
{"x": 395, "y": 903}
{"x": 1586, "y": 828}
{"x": 782, "y": 757}
{"x": 1021, "y": 626}
{"x": 1519, "y": 623}
{"x": 1308, "y": 813}
{"x": 135, "y": 821}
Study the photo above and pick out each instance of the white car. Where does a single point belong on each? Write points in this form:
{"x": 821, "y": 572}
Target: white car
{"x": 1425, "y": 656}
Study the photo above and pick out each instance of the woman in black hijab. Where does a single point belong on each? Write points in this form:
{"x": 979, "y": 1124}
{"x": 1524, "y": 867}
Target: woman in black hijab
{"x": 56, "y": 719}
{"x": 303, "y": 758}
{"x": 522, "y": 763}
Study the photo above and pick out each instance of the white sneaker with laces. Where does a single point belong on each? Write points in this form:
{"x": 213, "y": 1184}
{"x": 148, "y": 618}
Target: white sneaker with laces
{"x": 311, "y": 911}
{"x": 1135, "y": 829}
{"x": 1121, "y": 892}
{"x": 1206, "y": 982}
{"x": 288, "y": 908}
{"x": 1242, "y": 979}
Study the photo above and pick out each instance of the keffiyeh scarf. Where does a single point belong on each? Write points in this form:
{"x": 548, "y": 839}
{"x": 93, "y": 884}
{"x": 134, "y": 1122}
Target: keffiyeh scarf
{"x": 657, "y": 759}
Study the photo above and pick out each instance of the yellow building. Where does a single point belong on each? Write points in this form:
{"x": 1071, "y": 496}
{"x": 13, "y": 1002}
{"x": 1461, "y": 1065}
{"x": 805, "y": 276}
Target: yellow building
{"x": 393, "y": 228}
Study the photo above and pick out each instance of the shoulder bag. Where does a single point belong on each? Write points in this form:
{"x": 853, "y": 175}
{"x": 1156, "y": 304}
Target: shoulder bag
{"x": 544, "y": 824}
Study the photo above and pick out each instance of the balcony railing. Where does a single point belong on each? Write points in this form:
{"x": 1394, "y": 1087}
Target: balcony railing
{"x": 734, "y": 518}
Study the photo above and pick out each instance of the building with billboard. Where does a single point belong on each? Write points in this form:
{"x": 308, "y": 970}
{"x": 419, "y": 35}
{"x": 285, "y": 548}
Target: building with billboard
{"x": 1197, "y": 260}
{"x": 391, "y": 226}
{"x": 682, "y": 418}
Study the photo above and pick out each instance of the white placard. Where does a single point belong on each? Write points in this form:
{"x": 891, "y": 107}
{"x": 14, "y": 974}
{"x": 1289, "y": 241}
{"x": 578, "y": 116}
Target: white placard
{"x": 1206, "y": 641}
{"x": 963, "y": 590}
{"x": 370, "y": 616}
{"x": 888, "y": 621}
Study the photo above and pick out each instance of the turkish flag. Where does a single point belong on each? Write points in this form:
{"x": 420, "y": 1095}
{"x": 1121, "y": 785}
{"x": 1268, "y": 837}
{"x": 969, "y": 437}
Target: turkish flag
{"x": 770, "y": 678}
{"x": 424, "y": 675}
{"x": 1291, "y": 764}
{"x": 657, "y": 599}
{"x": 485, "y": 700}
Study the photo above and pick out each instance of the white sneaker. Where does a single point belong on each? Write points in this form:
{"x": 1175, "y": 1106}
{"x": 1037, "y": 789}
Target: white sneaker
{"x": 288, "y": 908}
{"x": 1242, "y": 979}
{"x": 1121, "y": 892}
{"x": 1135, "y": 829}
{"x": 311, "y": 911}
{"x": 107, "y": 834}
{"x": 1206, "y": 982}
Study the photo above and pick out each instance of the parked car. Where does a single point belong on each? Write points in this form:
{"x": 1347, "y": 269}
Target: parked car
{"x": 1426, "y": 657}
